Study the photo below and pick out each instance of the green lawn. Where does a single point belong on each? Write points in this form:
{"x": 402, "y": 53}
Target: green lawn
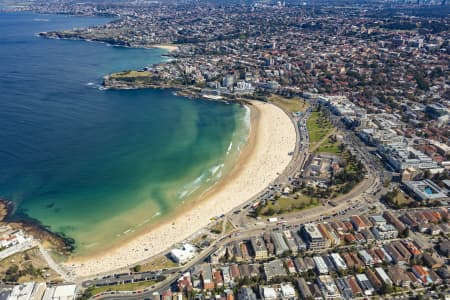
{"x": 123, "y": 287}
{"x": 217, "y": 228}
{"x": 285, "y": 204}
{"x": 329, "y": 146}
{"x": 130, "y": 74}
{"x": 318, "y": 127}
{"x": 402, "y": 199}
{"x": 158, "y": 263}
{"x": 291, "y": 105}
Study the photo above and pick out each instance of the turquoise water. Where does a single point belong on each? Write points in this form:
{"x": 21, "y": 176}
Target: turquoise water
{"x": 98, "y": 165}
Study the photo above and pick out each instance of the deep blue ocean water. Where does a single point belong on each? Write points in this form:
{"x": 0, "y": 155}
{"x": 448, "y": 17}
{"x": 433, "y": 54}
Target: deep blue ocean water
{"x": 91, "y": 163}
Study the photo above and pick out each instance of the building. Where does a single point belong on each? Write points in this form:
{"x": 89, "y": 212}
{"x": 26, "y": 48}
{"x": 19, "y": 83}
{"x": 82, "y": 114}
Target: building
{"x": 345, "y": 288}
{"x": 290, "y": 241}
{"x": 401, "y": 156}
{"x": 27, "y": 291}
{"x": 374, "y": 280}
{"x": 328, "y": 287}
{"x": 378, "y": 220}
{"x": 321, "y": 266}
{"x": 206, "y": 276}
{"x": 383, "y": 276}
{"x": 274, "y": 269}
{"x": 425, "y": 190}
{"x": 365, "y": 284}
{"x": 184, "y": 254}
{"x": 259, "y": 248}
{"x": 313, "y": 237}
{"x": 366, "y": 257}
{"x": 267, "y": 293}
{"x": 422, "y": 274}
{"x": 338, "y": 261}
{"x": 246, "y": 293}
{"x": 392, "y": 219}
{"x": 184, "y": 283}
{"x": 302, "y": 286}
{"x": 279, "y": 243}
{"x": 287, "y": 291}
{"x": 62, "y": 292}
{"x": 358, "y": 223}
{"x": 385, "y": 232}
{"x": 398, "y": 276}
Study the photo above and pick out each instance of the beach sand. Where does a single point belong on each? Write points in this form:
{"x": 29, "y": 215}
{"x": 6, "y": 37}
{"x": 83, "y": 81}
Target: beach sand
{"x": 265, "y": 156}
{"x": 167, "y": 47}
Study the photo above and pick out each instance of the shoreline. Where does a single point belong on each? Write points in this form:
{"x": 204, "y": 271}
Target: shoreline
{"x": 262, "y": 159}
{"x": 168, "y": 47}
{"x": 55, "y": 241}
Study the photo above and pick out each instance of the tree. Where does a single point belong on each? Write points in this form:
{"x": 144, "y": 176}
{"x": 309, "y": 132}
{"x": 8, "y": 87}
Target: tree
{"x": 137, "y": 268}
{"x": 404, "y": 233}
{"x": 386, "y": 289}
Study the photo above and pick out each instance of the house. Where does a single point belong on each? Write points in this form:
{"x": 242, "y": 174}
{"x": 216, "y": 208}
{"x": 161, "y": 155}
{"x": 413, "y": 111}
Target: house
{"x": 383, "y": 276}
{"x": 321, "y": 266}
{"x": 356, "y": 289}
{"x": 422, "y": 274}
{"x": 392, "y": 219}
{"x": 378, "y": 220}
{"x": 328, "y": 287}
{"x": 338, "y": 261}
{"x": 366, "y": 258}
{"x": 370, "y": 238}
{"x": 246, "y": 293}
{"x": 184, "y": 283}
{"x": 206, "y": 276}
{"x": 398, "y": 276}
{"x": 365, "y": 284}
{"x": 290, "y": 266}
{"x": 358, "y": 223}
{"x": 444, "y": 248}
{"x": 374, "y": 280}
{"x": 385, "y": 232}
{"x": 302, "y": 286}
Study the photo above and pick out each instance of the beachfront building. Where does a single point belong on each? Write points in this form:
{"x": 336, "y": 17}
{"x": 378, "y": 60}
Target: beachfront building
{"x": 27, "y": 291}
{"x": 183, "y": 254}
{"x": 61, "y": 292}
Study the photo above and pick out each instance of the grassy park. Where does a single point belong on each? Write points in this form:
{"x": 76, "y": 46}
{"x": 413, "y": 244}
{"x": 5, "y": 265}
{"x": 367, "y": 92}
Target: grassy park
{"x": 289, "y": 104}
{"x": 284, "y": 205}
{"x": 130, "y": 74}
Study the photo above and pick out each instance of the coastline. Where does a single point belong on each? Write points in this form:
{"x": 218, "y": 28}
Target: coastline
{"x": 55, "y": 241}
{"x": 168, "y": 47}
{"x": 264, "y": 156}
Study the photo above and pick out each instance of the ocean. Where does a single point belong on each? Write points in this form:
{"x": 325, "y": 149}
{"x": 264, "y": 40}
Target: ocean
{"x": 100, "y": 165}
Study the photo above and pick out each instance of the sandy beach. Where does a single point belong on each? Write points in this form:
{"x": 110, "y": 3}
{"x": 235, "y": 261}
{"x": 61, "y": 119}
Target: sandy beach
{"x": 167, "y": 47}
{"x": 272, "y": 137}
